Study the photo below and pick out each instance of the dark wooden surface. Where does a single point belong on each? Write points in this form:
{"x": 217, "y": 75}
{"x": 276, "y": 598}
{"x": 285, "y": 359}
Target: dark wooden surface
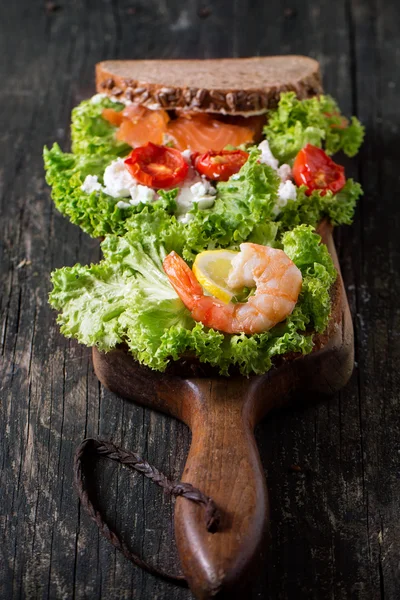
{"x": 333, "y": 467}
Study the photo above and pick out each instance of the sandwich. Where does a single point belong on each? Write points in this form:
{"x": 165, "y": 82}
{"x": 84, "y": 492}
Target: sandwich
{"x": 204, "y": 126}
{"x": 207, "y": 194}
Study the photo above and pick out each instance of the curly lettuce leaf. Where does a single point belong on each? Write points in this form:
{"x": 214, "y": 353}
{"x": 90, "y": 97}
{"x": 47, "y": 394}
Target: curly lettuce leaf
{"x": 127, "y": 298}
{"x": 315, "y": 263}
{"x": 91, "y": 134}
{"x": 318, "y": 121}
{"x": 338, "y": 208}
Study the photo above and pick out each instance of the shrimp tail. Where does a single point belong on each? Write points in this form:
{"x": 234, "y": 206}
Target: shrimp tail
{"x": 182, "y": 279}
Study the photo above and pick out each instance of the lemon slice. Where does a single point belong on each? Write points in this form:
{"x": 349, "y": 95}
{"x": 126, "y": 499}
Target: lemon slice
{"x": 211, "y": 269}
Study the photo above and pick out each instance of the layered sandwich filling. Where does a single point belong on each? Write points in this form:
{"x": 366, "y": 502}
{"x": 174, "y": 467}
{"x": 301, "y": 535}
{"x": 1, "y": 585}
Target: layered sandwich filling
{"x": 275, "y": 167}
{"x": 137, "y": 125}
{"x": 197, "y": 185}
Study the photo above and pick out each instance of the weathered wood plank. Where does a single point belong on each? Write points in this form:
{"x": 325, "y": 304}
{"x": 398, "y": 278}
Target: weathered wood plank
{"x": 335, "y": 525}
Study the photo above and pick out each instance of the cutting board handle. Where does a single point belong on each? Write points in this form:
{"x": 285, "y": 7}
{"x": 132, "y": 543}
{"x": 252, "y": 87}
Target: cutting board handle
{"x": 224, "y": 463}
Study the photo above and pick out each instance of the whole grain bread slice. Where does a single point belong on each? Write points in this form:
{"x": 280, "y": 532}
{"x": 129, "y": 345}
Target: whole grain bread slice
{"x": 229, "y": 86}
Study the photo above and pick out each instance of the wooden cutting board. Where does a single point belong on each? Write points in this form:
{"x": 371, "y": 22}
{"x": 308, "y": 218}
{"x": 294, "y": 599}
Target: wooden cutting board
{"x": 223, "y": 460}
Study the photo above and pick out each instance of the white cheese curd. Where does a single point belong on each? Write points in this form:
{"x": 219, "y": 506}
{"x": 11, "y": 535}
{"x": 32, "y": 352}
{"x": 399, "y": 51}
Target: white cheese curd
{"x": 187, "y": 155}
{"x": 184, "y": 199}
{"x": 118, "y": 181}
{"x": 185, "y": 218}
{"x": 285, "y": 172}
{"x": 204, "y": 202}
{"x": 142, "y": 193}
{"x": 267, "y": 158}
{"x": 286, "y": 191}
{"x": 203, "y": 188}
{"x": 195, "y": 190}
{"x": 122, "y": 204}
{"x": 97, "y": 98}
{"x": 91, "y": 184}
{"x": 203, "y": 194}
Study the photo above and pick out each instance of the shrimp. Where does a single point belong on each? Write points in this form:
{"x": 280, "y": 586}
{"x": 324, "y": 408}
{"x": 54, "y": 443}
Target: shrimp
{"x": 278, "y": 283}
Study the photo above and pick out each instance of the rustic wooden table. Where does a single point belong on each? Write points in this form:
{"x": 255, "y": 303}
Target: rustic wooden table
{"x": 335, "y": 519}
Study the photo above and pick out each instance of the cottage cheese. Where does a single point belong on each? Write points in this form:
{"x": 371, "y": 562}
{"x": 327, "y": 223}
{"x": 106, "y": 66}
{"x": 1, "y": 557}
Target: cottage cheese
{"x": 97, "y": 98}
{"x": 122, "y": 204}
{"x": 286, "y": 191}
{"x": 267, "y": 158}
{"x": 118, "y": 182}
{"x": 203, "y": 194}
{"x": 187, "y": 154}
{"x": 185, "y": 218}
{"x": 195, "y": 190}
{"x": 285, "y": 172}
{"x": 91, "y": 184}
{"x": 142, "y": 194}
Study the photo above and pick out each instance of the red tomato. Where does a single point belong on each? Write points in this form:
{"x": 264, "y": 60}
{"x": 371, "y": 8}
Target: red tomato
{"x": 314, "y": 169}
{"x": 219, "y": 165}
{"x": 157, "y": 166}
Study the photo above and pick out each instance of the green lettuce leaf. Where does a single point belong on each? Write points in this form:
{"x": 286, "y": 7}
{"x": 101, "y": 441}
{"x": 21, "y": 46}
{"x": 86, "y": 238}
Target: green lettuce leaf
{"x": 315, "y": 263}
{"x": 338, "y": 208}
{"x": 318, "y": 121}
{"x": 127, "y": 298}
{"x": 91, "y": 134}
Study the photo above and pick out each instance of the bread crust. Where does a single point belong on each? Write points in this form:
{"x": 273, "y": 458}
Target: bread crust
{"x": 241, "y": 86}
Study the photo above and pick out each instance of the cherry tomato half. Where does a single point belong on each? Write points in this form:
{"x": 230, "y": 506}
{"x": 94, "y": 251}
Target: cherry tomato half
{"x": 157, "y": 166}
{"x": 314, "y": 169}
{"x": 219, "y": 166}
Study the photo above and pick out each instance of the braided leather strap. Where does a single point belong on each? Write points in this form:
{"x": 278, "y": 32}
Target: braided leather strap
{"x": 91, "y": 448}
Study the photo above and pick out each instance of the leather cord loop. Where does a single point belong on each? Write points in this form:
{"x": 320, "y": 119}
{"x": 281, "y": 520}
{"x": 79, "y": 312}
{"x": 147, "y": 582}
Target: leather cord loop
{"x": 91, "y": 448}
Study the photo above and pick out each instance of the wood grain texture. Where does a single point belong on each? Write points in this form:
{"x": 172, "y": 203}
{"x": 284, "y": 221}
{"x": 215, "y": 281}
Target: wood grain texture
{"x": 333, "y": 467}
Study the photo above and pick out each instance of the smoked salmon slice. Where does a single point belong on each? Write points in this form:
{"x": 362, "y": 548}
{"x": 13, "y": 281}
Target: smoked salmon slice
{"x": 113, "y": 116}
{"x": 198, "y": 132}
{"x": 201, "y": 132}
{"x": 139, "y": 125}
